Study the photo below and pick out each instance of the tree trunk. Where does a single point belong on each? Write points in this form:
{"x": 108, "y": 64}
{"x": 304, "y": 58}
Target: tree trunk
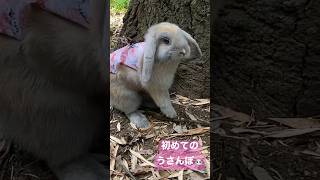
{"x": 192, "y": 78}
{"x": 267, "y": 56}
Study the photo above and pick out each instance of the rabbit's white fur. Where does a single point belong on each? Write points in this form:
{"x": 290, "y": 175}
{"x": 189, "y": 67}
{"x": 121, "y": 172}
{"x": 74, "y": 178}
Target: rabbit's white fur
{"x": 166, "y": 45}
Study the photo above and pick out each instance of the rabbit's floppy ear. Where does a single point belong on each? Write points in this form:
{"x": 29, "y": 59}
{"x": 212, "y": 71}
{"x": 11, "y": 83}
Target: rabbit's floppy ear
{"x": 148, "y": 57}
{"x": 195, "y": 51}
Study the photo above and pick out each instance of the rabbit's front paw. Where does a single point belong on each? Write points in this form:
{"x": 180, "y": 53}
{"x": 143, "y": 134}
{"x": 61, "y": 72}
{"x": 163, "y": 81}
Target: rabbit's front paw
{"x": 139, "y": 120}
{"x": 169, "y": 112}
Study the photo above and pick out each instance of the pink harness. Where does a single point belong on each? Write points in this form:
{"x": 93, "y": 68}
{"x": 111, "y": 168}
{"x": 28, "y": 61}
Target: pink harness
{"x": 128, "y": 55}
{"x": 13, "y": 12}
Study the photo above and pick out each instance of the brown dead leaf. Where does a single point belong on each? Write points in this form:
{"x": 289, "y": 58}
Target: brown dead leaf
{"x": 146, "y": 151}
{"x": 181, "y": 100}
{"x": 191, "y": 116}
{"x": 291, "y": 132}
{"x": 207, "y": 167}
{"x": 140, "y": 170}
{"x": 243, "y": 130}
{"x": 118, "y": 127}
{"x": 308, "y": 152}
{"x": 197, "y": 131}
{"x": 142, "y": 158}
{"x": 125, "y": 163}
{"x": 121, "y": 141}
{"x": 261, "y": 174}
{"x": 277, "y": 173}
{"x": 133, "y": 126}
{"x": 134, "y": 162}
{"x": 151, "y": 157}
{"x": 164, "y": 174}
{"x": 237, "y": 116}
{"x": 113, "y": 153}
{"x": 298, "y": 123}
{"x": 201, "y": 102}
{"x": 150, "y": 136}
{"x": 191, "y": 132}
{"x": 125, "y": 167}
{"x": 195, "y": 175}
{"x": 180, "y": 177}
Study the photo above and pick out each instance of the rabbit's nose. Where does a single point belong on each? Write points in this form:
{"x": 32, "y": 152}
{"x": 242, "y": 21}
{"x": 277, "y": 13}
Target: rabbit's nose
{"x": 182, "y": 52}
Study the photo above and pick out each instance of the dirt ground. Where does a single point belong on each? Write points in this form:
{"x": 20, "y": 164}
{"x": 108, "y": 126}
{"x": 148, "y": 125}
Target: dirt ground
{"x": 125, "y": 138}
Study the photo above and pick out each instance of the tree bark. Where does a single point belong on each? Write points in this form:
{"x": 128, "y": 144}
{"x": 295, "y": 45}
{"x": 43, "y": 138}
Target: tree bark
{"x": 267, "y": 56}
{"x": 192, "y": 78}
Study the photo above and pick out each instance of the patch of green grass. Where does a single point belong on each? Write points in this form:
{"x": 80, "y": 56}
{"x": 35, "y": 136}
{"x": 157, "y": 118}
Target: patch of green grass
{"x": 119, "y": 5}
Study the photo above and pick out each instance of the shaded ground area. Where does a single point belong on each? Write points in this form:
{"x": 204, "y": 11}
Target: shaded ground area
{"x": 273, "y": 149}
{"x": 16, "y": 164}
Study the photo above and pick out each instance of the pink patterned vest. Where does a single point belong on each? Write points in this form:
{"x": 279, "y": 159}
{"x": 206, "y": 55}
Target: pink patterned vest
{"x": 13, "y": 13}
{"x": 128, "y": 55}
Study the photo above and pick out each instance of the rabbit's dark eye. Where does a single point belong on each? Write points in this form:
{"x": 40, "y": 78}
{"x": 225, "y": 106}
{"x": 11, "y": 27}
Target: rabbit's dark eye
{"x": 165, "y": 40}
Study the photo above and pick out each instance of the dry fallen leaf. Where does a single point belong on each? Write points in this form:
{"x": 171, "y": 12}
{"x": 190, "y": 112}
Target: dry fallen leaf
{"x": 261, "y": 174}
{"x": 191, "y": 132}
{"x": 140, "y": 170}
{"x": 203, "y": 148}
{"x": 191, "y": 116}
{"x": 125, "y": 163}
{"x": 308, "y": 152}
{"x": 201, "y": 102}
{"x": 113, "y": 153}
{"x": 207, "y": 167}
{"x": 181, "y": 100}
{"x": 195, "y": 175}
{"x": 118, "y": 127}
{"x": 142, "y": 158}
{"x": 151, "y": 157}
{"x": 243, "y": 130}
{"x": 164, "y": 174}
{"x": 133, "y": 126}
{"x": 146, "y": 151}
{"x": 134, "y": 162}
{"x": 121, "y": 141}
{"x": 298, "y": 123}
{"x": 292, "y": 132}
{"x": 180, "y": 177}
{"x": 150, "y": 136}
{"x": 227, "y": 112}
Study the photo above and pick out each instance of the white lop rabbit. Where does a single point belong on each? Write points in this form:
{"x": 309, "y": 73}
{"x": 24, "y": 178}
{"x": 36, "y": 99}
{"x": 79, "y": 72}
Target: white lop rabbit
{"x": 165, "y": 46}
